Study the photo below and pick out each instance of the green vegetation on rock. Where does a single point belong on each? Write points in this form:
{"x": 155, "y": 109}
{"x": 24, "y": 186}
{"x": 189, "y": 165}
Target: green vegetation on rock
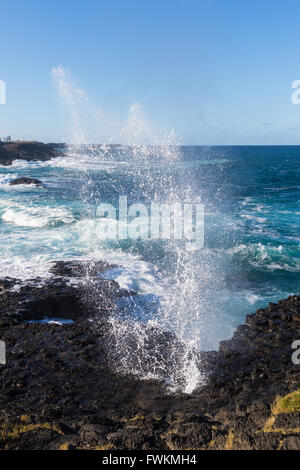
{"x": 288, "y": 404}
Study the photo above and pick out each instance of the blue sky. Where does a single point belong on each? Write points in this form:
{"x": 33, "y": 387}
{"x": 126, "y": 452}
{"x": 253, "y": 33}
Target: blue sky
{"x": 216, "y": 71}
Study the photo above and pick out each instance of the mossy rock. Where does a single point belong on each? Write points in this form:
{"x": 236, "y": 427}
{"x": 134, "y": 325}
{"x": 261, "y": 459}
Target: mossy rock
{"x": 288, "y": 404}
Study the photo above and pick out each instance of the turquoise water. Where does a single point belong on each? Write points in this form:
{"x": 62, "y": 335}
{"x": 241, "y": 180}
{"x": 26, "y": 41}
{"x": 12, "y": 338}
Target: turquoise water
{"x": 252, "y": 219}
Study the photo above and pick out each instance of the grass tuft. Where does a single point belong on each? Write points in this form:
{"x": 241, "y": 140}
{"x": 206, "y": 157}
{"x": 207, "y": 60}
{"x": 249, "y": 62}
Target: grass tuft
{"x": 229, "y": 440}
{"x": 288, "y": 404}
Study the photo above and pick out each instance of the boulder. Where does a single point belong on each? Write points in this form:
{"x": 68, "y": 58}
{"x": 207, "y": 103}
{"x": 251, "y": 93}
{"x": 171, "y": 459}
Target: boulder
{"x": 25, "y": 180}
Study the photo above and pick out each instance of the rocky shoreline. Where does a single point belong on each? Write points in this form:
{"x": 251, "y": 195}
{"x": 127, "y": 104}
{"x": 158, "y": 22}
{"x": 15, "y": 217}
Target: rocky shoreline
{"x": 29, "y": 151}
{"x": 59, "y": 389}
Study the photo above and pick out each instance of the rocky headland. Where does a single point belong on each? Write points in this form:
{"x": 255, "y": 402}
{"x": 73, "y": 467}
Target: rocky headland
{"x": 29, "y": 151}
{"x": 60, "y": 390}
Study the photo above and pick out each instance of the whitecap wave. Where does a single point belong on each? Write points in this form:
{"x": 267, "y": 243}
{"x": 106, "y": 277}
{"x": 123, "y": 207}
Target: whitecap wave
{"x": 36, "y": 216}
{"x": 267, "y": 257}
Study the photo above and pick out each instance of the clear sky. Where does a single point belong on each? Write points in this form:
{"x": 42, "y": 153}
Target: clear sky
{"x": 216, "y": 71}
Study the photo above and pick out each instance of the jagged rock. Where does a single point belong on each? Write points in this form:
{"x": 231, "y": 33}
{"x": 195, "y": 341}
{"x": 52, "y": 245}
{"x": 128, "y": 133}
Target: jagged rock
{"x": 291, "y": 443}
{"x": 24, "y": 180}
{"x": 80, "y": 268}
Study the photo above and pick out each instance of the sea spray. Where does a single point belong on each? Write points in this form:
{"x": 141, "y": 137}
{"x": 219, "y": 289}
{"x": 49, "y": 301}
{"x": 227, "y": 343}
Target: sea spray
{"x": 140, "y": 347}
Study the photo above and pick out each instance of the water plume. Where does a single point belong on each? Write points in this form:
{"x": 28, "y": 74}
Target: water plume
{"x": 160, "y": 342}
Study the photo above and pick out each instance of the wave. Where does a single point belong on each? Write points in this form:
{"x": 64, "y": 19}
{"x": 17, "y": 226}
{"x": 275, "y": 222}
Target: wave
{"x": 6, "y": 178}
{"x": 36, "y": 216}
{"x": 268, "y": 256}
{"x": 28, "y": 257}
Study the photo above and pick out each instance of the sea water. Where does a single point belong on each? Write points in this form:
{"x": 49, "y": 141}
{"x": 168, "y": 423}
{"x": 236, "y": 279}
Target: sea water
{"x": 252, "y": 219}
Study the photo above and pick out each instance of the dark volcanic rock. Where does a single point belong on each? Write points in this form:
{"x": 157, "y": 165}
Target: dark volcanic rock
{"x": 90, "y": 270}
{"x": 80, "y": 268}
{"x": 26, "y": 181}
{"x": 59, "y": 388}
{"x": 30, "y": 151}
{"x": 57, "y": 145}
{"x": 53, "y": 298}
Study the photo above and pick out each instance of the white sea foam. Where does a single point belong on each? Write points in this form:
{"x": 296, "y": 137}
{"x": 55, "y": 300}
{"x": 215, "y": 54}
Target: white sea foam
{"x": 29, "y": 257}
{"x": 5, "y": 179}
{"x": 252, "y": 298}
{"x": 262, "y": 256}
{"x": 36, "y": 216}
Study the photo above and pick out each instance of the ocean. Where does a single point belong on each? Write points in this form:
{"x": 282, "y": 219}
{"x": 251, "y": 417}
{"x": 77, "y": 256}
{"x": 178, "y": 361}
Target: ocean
{"x": 250, "y": 256}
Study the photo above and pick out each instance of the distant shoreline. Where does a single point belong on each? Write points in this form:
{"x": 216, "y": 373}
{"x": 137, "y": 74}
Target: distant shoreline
{"x": 40, "y": 151}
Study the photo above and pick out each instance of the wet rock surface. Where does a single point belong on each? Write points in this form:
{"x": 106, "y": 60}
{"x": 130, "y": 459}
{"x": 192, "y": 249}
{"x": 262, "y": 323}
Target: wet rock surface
{"x": 60, "y": 390}
{"x": 80, "y": 268}
{"x": 24, "y": 180}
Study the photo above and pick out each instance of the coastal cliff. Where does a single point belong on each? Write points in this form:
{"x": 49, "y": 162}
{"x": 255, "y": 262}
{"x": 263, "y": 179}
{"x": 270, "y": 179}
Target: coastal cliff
{"x": 59, "y": 389}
